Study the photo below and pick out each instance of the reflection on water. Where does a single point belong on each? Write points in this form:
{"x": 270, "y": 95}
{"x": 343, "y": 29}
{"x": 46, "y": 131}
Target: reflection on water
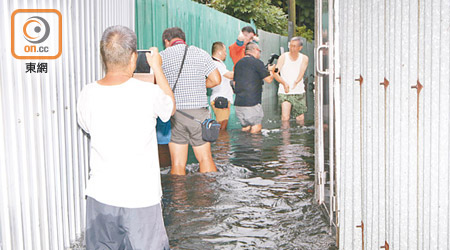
{"x": 261, "y": 198}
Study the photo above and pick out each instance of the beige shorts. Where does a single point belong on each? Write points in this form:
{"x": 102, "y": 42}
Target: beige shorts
{"x": 187, "y": 131}
{"x": 221, "y": 114}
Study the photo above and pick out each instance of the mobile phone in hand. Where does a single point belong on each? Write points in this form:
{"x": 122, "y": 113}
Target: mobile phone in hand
{"x": 141, "y": 63}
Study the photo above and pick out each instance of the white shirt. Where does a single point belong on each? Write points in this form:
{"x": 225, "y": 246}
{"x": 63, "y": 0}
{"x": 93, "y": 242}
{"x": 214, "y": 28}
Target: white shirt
{"x": 121, "y": 121}
{"x": 224, "y": 88}
{"x": 289, "y": 72}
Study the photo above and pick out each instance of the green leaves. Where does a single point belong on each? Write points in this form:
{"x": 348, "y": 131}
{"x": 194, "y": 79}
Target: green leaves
{"x": 303, "y": 31}
{"x": 268, "y": 15}
{"x": 265, "y": 15}
{"x": 305, "y": 13}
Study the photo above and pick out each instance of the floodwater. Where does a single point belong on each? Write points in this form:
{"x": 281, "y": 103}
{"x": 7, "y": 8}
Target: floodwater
{"x": 260, "y": 198}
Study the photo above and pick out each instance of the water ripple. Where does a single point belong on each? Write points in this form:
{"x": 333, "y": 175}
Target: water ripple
{"x": 260, "y": 198}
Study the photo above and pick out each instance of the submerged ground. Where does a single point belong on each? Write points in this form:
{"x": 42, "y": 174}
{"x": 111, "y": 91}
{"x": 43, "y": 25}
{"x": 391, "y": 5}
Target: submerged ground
{"x": 261, "y": 197}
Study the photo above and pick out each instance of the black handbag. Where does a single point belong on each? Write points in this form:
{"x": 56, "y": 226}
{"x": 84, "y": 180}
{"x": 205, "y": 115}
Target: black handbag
{"x": 221, "y": 102}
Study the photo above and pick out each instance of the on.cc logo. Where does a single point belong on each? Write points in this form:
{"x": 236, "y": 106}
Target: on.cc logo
{"x": 36, "y": 34}
{"x": 37, "y": 24}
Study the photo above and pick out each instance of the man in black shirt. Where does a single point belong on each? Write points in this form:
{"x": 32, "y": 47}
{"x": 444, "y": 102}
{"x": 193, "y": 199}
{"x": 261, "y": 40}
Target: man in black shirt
{"x": 249, "y": 73}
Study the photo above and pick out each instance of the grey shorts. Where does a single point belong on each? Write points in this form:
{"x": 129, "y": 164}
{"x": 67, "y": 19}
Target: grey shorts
{"x": 186, "y": 130}
{"x": 110, "y": 227}
{"x": 249, "y": 116}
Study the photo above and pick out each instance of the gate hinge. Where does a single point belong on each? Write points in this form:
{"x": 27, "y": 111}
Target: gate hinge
{"x": 333, "y": 205}
{"x": 362, "y": 233}
{"x": 360, "y": 80}
{"x": 386, "y": 246}
{"x": 321, "y": 175}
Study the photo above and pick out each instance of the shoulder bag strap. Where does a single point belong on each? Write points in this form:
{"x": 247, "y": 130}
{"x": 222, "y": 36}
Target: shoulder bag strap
{"x": 189, "y": 116}
{"x": 175, "y": 85}
{"x": 181, "y": 68}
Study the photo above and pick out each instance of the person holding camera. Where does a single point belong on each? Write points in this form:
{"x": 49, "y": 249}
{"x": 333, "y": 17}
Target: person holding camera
{"x": 222, "y": 95}
{"x": 192, "y": 76}
{"x": 291, "y": 91}
{"x": 249, "y": 76}
{"x": 123, "y": 207}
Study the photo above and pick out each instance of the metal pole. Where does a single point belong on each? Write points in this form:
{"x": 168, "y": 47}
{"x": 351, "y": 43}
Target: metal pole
{"x": 331, "y": 103}
{"x": 291, "y": 19}
{"x": 318, "y": 106}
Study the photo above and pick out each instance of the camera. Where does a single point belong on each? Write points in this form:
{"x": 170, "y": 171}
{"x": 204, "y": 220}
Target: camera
{"x": 272, "y": 58}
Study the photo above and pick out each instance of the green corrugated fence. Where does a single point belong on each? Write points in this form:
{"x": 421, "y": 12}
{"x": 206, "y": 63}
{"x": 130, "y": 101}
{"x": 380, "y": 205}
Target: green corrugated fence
{"x": 204, "y": 26}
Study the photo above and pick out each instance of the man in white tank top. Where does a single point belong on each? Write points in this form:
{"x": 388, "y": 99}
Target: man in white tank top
{"x": 291, "y": 91}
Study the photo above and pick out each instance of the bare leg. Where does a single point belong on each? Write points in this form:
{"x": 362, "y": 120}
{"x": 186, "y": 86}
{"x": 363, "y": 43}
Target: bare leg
{"x": 256, "y": 128}
{"x": 223, "y": 124}
{"x": 300, "y": 119}
{"x": 246, "y": 129}
{"x": 204, "y": 157}
{"x": 286, "y": 111}
{"x": 178, "y": 155}
{"x": 285, "y": 125}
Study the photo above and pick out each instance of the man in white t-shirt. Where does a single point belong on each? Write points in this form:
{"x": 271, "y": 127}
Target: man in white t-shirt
{"x": 291, "y": 91}
{"x": 123, "y": 209}
{"x": 222, "y": 95}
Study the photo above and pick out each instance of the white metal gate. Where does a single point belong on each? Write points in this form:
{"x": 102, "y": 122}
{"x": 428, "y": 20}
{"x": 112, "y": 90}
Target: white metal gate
{"x": 391, "y": 123}
{"x": 325, "y": 109}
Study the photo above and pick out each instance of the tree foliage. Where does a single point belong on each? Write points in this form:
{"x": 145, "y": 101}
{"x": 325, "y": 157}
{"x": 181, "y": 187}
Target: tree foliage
{"x": 303, "y": 31}
{"x": 269, "y": 15}
{"x": 265, "y": 15}
{"x": 305, "y": 13}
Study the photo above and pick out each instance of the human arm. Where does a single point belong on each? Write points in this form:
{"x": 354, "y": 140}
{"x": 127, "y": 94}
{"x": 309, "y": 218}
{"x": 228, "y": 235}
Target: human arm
{"x": 210, "y": 70}
{"x": 82, "y": 106}
{"x": 229, "y": 75}
{"x": 155, "y": 62}
{"x": 269, "y": 78}
{"x": 277, "y": 76}
{"x": 213, "y": 79}
{"x": 302, "y": 70}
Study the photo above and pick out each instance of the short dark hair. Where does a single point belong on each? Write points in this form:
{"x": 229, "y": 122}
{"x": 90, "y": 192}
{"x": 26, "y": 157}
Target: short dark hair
{"x": 216, "y": 46}
{"x": 172, "y": 33}
{"x": 248, "y": 29}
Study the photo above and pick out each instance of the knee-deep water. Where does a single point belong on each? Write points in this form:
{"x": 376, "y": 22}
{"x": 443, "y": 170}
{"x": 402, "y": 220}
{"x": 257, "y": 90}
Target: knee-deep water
{"x": 262, "y": 196}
